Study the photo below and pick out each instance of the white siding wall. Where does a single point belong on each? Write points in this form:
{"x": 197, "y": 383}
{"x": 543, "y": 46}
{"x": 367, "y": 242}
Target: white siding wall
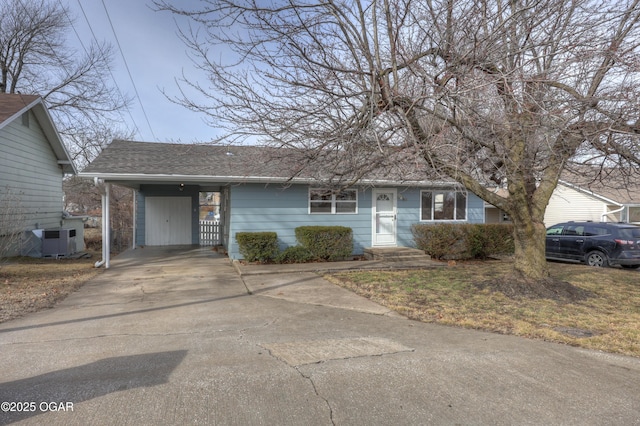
{"x": 28, "y": 167}
{"x": 568, "y": 204}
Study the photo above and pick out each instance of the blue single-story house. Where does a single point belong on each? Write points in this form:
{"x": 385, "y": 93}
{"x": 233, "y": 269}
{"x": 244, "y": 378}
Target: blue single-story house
{"x": 264, "y": 189}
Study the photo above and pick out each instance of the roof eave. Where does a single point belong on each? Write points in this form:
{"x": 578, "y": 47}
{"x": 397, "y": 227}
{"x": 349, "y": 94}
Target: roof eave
{"x": 51, "y": 133}
{"x": 148, "y": 178}
{"x": 114, "y": 177}
{"x": 591, "y": 193}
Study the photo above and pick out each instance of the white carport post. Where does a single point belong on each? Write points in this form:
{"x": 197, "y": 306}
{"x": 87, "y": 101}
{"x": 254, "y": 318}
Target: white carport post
{"x": 133, "y": 228}
{"x": 106, "y": 229}
{"x": 106, "y": 225}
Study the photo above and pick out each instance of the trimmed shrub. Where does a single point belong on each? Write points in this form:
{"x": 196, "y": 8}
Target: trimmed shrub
{"x": 258, "y": 246}
{"x": 484, "y": 240}
{"x": 463, "y": 241}
{"x": 500, "y": 239}
{"x": 326, "y": 242}
{"x": 439, "y": 240}
{"x": 295, "y": 254}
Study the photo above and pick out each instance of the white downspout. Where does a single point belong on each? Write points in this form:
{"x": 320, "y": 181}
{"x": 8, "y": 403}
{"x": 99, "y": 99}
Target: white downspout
{"x": 605, "y": 214}
{"x": 107, "y": 230}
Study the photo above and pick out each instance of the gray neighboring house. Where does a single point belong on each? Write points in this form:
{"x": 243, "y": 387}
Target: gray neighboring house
{"x": 33, "y": 163}
{"x": 264, "y": 189}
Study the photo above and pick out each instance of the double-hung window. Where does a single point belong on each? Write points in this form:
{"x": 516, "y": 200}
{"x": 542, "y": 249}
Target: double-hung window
{"x": 443, "y": 205}
{"x": 326, "y": 201}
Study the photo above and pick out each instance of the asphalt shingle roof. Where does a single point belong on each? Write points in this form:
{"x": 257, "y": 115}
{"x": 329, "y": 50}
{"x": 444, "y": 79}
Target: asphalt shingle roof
{"x": 150, "y": 158}
{"x": 612, "y": 185}
{"x": 239, "y": 163}
{"x": 12, "y": 103}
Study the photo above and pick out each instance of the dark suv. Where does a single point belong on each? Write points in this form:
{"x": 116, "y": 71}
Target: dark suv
{"x": 595, "y": 243}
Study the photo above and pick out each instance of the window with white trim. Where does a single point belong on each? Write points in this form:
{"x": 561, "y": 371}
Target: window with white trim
{"x": 326, "y": 201}
{"x": 443, "y": 205}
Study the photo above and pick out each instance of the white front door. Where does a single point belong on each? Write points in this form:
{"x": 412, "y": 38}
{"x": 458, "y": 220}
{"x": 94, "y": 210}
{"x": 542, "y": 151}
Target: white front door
{"x": 384, "y": 217}
{"x": 167, "y": 221}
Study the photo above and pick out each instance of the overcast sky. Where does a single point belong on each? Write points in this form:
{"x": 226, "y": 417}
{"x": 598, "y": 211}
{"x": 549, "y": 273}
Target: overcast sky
{"x": 155, "y": 57}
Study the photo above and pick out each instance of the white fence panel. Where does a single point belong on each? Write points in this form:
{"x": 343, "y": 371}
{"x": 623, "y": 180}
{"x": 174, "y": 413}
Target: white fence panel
{"x": 210, "y": 233}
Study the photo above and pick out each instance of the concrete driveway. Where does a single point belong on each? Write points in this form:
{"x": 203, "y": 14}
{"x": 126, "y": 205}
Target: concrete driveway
{"x": 172, "y": 336}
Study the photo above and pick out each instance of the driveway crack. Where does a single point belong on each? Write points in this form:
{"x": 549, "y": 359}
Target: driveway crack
{"x": 315, "y": 390}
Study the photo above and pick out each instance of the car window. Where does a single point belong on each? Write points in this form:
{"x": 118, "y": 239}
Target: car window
{"x": 628, "y": 233}
{"x": 591, "y": 231}
{"x": 572, "y": 230}
{"x": 555, "y": 230}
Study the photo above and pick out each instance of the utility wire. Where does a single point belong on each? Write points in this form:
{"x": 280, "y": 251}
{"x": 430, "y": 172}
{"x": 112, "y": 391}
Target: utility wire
{"x": 128, "y": 70}
{"x": 135, "y": 125}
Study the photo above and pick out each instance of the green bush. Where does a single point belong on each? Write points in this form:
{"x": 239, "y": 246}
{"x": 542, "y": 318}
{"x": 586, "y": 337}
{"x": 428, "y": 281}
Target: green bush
{"x": 438, "y": 240}
{"x": 484, "y": 240}
{"x": 258, "y": 246}
{"x": 326, "y": 242}
{"x": 295, "y": 254}
{"x": 463, "y": 241}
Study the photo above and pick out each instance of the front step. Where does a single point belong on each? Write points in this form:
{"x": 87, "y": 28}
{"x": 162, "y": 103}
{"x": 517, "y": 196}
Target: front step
{"x": 395, "y": 254}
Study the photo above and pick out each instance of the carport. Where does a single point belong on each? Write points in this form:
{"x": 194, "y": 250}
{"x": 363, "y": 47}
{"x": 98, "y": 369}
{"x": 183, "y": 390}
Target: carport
{"x": 180, "y": 196}
{"x": 168, "y": 214}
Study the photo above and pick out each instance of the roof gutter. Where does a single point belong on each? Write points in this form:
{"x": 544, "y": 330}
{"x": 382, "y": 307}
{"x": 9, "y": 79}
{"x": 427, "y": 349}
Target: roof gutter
{"x": 589, "y": 192}
{"x": 241, "y": 179}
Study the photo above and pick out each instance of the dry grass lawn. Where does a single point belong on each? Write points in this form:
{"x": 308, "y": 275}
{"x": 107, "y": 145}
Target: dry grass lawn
{"x": 607, "y": 320}
{"x": 29, "y": 285}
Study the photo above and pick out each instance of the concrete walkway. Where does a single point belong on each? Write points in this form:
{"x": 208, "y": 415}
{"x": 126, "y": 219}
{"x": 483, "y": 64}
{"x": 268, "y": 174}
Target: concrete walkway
{"x": 302, "y": 283}
{"x": 172, "y": 336}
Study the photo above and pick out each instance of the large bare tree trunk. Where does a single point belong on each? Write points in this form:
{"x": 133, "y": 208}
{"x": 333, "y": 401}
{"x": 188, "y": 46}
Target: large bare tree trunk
{"x": 529, "y": 241}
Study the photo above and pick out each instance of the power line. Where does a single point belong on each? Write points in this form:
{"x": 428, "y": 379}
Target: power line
{"x": 115, "y": 82}
{"x": 128, "y": 70}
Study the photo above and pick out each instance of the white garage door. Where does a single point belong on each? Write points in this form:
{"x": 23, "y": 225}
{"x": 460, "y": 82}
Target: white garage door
{"x": 167, "y": 221}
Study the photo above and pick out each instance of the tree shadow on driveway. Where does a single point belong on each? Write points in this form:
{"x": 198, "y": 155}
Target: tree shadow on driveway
{"x": 88, "y": 381}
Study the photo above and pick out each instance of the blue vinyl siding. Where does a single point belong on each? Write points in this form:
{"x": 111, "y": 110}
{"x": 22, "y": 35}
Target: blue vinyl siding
{"x": 259, "y": 207}
{"x": 408, "y": 207}
{"x": 256, "y": 208}
{"x": 475, "y": 208}
{"x": 262, "y": 207}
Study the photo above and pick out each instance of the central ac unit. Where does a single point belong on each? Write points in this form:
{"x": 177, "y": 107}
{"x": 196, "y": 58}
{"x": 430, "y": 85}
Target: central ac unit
{"x": 58, "y": 242}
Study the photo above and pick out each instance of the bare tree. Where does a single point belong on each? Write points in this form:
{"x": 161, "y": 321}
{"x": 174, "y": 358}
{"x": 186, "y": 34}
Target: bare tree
{"x": 80, "y": 195}
{"x": 83, "y": 196}
{"x": 502, "y": 92}
{"x": 35, "y": 58}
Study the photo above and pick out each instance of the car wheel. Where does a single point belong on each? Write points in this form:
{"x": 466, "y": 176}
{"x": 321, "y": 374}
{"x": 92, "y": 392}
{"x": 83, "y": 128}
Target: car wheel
{"x": 630, "y": 266}
{"x": 598, "y": 259}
